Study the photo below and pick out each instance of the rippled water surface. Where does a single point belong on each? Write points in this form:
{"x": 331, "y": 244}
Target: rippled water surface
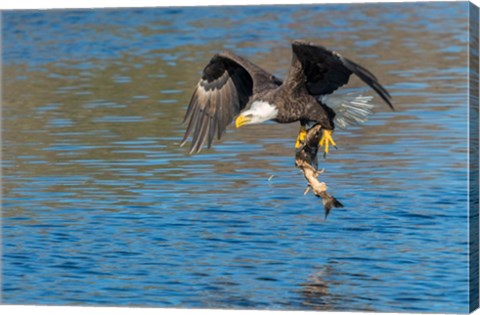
{"x": 102, "y": 207}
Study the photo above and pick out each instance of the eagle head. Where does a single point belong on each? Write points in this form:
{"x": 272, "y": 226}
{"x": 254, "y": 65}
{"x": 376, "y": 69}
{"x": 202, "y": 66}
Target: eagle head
{"x": 257, "y": 113}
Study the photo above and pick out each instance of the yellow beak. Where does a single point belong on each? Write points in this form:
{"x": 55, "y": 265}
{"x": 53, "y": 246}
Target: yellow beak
{"x": 241, "y": 120}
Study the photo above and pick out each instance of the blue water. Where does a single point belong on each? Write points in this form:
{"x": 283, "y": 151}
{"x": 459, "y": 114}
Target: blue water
{"x": 102, "y": 207}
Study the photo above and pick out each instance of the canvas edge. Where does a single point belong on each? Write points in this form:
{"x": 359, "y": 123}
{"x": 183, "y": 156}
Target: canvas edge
{"x": 473, "y": 158}
{"x": 1, "y": 158}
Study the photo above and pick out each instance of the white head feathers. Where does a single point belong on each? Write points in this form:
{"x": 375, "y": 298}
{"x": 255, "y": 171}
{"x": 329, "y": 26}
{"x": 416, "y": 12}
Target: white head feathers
{"x": 260, "y": 112}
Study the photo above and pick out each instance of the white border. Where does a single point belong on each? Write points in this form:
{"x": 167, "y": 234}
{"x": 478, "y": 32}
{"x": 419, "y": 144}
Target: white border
{"x": 59, "y": 4}
{"x": 77, "y": 310}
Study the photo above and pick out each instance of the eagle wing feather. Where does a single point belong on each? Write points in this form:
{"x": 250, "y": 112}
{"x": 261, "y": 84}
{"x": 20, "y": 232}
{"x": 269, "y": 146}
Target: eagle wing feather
{"x": 227, "y": 83}
{"x": 326, "y": 71}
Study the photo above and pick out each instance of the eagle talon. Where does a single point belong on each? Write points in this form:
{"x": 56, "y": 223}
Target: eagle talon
{"x": 302, "y": 135}
{"x": 326, "y": 141}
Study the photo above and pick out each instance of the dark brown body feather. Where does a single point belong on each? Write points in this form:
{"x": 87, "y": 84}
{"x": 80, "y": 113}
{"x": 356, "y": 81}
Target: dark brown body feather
{"x": 231, "y": 83}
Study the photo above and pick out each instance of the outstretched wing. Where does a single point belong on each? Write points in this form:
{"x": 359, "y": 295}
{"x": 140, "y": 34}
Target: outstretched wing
{"x": 224, "y": 89}
{"x": 326, "y": 71}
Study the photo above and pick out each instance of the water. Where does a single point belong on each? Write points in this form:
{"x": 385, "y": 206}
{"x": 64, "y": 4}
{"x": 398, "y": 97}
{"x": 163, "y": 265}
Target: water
{"x": 102, "y": 207}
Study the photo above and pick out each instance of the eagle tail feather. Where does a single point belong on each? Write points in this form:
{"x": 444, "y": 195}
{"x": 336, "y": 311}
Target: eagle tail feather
{"x": 350, "y": 109}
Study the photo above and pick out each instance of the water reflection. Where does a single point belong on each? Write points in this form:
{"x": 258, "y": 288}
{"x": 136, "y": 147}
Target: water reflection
{"x": 315, "y": 291}
{"x": 101, "y": 206}
{"x": 317, "y": 294}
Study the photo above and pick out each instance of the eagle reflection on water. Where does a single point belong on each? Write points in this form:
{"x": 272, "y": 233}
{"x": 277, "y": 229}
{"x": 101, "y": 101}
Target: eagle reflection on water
{"x": 316, "y": 293}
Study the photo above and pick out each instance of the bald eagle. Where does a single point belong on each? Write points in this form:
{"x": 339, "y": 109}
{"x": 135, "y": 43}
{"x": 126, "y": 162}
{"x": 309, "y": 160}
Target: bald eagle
{"x": 232, "y": 86}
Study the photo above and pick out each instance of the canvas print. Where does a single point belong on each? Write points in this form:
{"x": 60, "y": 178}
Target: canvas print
{"x": 287, "y": 157}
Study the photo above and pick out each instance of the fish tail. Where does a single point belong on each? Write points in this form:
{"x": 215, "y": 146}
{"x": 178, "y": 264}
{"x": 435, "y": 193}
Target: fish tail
{"x": 329, "y": 202}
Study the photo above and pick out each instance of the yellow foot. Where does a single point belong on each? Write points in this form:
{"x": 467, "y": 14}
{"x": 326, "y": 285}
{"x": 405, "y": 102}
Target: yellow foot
{"x": 327, "y": 140}
{"x": 301, "y": 137}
